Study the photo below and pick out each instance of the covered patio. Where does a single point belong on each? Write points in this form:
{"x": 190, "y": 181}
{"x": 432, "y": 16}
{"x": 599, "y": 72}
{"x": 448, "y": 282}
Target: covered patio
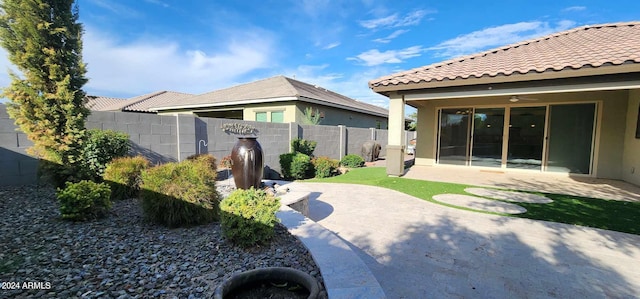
{"x": 560, "y": 108}
{"x": 528, "y": 181}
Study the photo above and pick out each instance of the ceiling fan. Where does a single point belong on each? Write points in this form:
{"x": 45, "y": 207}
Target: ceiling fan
{"x": 515, "y": 99}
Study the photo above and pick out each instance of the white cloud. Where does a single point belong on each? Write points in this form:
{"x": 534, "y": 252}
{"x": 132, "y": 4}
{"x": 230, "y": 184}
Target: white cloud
{"x": 411, "y": 19}
{"x": 331, "y": 46}
{"x": 119, "y": 9}
{"x": 157, "y": 2}
{"x": 138, "y": 67}
{"x": 374, "y": 57}
{"x": 380, "y": 22}
{"x": 314, "y": 8}
{"x": 575, "y": 8}
{"x": 354, "y": 85}
{"x": 394, "y": 20}
{"x": 497, "y": 36}
{"x": 391, "y": 36}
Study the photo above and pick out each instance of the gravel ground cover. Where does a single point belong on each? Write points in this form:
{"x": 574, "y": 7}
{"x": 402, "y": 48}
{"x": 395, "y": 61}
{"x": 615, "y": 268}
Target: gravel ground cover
{"x": 121, "y": 256}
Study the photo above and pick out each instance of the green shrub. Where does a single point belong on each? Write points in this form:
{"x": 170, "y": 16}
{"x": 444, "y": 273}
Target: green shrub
{"x": 180, "y": 194}
{"x": 325, "y": 167}
{"x": 124, "y": 176}
{"x": 303, "y": 146}
{"x": 352, "y": 161}
{"x": 285, "y": 164}
{"x": 301, "y": 167}
{"x": 248, "y": 216}
{"x": 296, "y": 166}
{"x": 99, "y": 149}
{"x": 57, "y": 174}
{"x": 84, "y": 200}
{"x": 207, "y": 159}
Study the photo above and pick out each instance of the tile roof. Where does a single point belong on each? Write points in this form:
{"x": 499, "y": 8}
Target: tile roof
{"x": 596, "y": 46}
{"x": 98, "y": 103}
{"x": 275, "y": 89}
{"x": 145, "y": 102}
{"x": 141, "y": 103}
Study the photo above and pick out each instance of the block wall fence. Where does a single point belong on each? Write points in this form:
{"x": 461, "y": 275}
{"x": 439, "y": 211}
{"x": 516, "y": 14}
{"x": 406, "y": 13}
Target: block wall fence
{"x": 169, "y": 138}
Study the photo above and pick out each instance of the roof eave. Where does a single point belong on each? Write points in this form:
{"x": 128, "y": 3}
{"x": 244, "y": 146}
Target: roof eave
{"x": 354, "y": 109}
{"x": 226, "y": 103}
{"x": 516, "y": 77}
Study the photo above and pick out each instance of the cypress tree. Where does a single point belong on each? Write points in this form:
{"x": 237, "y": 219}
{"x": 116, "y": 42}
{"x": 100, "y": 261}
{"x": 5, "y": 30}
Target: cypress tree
{"x": 44, "y": 40}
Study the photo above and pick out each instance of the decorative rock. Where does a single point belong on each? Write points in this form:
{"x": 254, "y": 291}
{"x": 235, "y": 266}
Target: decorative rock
{"x": 107, "y": 258}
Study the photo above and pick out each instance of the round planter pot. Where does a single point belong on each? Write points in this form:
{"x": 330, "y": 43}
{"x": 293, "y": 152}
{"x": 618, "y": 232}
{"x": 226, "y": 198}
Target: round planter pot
{"x": 247, "y": 163}
{"x": 253, "y": 282}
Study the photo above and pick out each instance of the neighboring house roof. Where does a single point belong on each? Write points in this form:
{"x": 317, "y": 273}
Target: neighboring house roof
{"x": 141, "y": 103}
{"x": 274, "y": 89}
{"x": 145, "y": 103}
{"x": 98, "y": 103}
{"x": 590, "y": 47}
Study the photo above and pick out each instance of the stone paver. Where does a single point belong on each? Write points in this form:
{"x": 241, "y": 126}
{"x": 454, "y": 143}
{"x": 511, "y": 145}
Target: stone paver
{"x": 528, "y": 181}
{"x": 509, "y": 195}
{"x": 418, "y": 249}
{"x": 480, "y": 204}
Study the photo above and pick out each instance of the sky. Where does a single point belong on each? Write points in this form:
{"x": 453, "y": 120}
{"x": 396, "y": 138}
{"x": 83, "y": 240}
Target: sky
{"x": 134, "y": 47}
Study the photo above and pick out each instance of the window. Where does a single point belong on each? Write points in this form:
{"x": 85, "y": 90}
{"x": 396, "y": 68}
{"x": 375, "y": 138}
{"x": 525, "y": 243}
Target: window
{"x": 274, "y": 117}
{"x": 261, "y": 116}
{"x": 277, "y": 116}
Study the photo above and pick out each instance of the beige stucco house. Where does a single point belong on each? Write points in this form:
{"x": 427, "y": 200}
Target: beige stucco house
{"x": 277, "y": 99}
{"x": 564, "y": 103}
{"x": 282, "y": 100}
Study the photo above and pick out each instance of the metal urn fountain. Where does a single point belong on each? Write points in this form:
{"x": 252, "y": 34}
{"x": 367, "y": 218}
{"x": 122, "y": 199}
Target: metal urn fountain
{"x": 247, "y": 156}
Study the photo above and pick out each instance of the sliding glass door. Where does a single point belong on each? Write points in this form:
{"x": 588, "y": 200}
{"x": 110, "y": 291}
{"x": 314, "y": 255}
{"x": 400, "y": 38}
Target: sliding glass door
{"x": 571, "y": 138}
{"x": 526, "y": 137}
{"x": 555, "y": 137}
{"x": 454, "y": 136}
{"x": 488, "y": 127}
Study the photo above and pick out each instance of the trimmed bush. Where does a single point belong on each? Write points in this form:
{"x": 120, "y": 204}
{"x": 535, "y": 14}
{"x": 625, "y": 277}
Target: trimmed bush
{"x": 296, "y": 166}
{"x": 124, "y": 176}
{"x": 325, "y": 167}
{"x": 352, "y": 161}
{"x": 207, "y": 159}
{"x": 85, "y": 200}
{"x": 226, "y": 162}
{"x": 303, "y": 146}
{"x": 248, "y": 216}
{"x": 285, "y": 164}
{"x": 100, "y": 148}
{"x": 301, "y": 167}
{"x": 180, "y": 194}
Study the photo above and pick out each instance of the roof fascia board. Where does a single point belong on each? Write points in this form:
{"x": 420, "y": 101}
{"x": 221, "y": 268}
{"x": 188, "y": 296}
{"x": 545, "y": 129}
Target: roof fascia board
{"x": 602, "y": 86}
{"x": 242, "y": 102}
{"x": 516, "y": 77}
{"x": 315, "y": 101}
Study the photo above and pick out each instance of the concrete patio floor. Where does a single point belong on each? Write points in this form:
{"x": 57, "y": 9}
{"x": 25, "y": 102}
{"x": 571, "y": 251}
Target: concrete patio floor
{"x": 527, "y": 181}
{"x": 417, "y": 249}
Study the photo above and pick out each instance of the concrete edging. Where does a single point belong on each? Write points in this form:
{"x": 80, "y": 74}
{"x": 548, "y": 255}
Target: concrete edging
{"x": 345, "y": 275}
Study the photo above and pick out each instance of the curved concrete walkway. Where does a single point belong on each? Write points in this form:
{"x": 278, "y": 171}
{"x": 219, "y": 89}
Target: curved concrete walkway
{"x": 417, "y": 249}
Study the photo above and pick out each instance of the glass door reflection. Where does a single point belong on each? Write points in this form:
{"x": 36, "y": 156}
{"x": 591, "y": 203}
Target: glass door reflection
{"x": 488, "y": 127}
{"x": 453, "y": 146}
{"x": 526, "y": 137}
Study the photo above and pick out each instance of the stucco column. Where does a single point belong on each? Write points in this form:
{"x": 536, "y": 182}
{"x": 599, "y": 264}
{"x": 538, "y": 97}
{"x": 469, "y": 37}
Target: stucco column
{"x": 396, "y": 144}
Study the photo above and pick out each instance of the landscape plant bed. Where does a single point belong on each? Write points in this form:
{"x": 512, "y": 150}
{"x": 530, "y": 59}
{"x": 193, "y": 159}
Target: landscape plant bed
{"x": 122, "y": 255}
{"x": 592, "y": 212}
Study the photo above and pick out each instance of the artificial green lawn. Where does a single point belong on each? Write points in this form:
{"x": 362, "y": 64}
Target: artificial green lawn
{"x": 614, "y": 215}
